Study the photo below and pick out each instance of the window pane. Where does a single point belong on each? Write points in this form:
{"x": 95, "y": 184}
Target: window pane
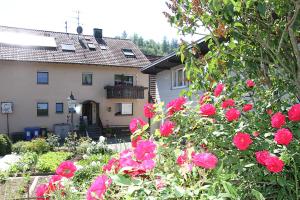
{"x": 179, "y": 77}
{"x": 118, "y": 79}
{"x": 127, "y": 109}
{"x": 87, "y": 79}
{"x": 59, "y": 107}
{"x": 42, "y": 77}
{"x": 42, "y": 109}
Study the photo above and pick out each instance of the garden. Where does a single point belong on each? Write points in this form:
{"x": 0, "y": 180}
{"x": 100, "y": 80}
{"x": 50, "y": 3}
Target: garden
{"x": 236, "y": 139}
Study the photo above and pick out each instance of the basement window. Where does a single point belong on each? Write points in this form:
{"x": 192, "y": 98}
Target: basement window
{"x": 128, "y": 53}
{"x": 68, "y": 47}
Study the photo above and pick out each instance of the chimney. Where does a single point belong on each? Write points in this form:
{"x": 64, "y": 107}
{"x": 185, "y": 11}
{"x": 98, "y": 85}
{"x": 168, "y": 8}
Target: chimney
{"x": 98, "y": 33}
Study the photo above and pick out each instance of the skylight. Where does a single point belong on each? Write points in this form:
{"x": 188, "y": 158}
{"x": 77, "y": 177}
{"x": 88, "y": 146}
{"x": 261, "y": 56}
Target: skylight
{"x": 103, "y": 47}
{"x": 91, "y": 46}
{"x": 128, "y": 53}
{"x": 27, "y": 40}
{"x": 67, "y": 47}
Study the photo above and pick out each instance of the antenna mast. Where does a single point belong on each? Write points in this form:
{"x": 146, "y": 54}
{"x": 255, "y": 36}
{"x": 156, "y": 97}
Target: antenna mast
{"x": 66, "y": 26}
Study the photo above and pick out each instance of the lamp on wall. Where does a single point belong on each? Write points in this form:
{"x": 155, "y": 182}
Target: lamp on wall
{"x": 109, "y": 109}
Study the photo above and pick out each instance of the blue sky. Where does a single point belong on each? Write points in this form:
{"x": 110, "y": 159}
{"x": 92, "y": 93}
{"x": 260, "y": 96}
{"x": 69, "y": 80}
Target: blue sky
{"x": 113, "y": 16}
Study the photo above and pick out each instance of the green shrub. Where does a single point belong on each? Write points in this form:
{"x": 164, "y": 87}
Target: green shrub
{"x": 50, "y": 161}
{"x": 5, "y": 145}
{"x": 53, "y": 141}
{"x": 83, "y": 177}
{"x": 25, "y": 164}
{"x": 38, "y": 145}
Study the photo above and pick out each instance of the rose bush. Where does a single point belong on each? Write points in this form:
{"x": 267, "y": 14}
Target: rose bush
{"x": 221, "y": 152}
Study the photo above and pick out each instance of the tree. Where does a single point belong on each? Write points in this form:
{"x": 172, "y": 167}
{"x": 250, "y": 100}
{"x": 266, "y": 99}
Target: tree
{"x": 124, "y": 35}
{"x": 250, "y": 38}
{"x": 165, "y": 45}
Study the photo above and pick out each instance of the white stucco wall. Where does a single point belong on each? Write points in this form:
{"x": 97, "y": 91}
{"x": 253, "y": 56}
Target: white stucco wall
{"x": 164, "y": 90}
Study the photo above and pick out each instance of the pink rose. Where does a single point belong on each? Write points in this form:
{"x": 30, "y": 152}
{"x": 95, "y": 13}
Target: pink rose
{"x": 261, "y": 156}
{"x": 247, "y": 107}
{"x": 134, "y": 141}
{"x": 283, "y": 136}
{"x": 274, "y": 164}
{"x": 182, "y": 158}
{"x": 278, "y": 120}
{"x": 250, "y": 83}
{"x": 232, "y": 114}
{"x": 205, "y": 160}
{"x": 135, "y": 124}
{"x": 98, "y": 188}
{"x": 294, "y": 113}
{"x": 219, "y": 89}
{"x": 167, "y": 128}
{"x": 149, "y": 110}
{"x": 66, "y": 169}
{"x": 227, "y": 103}
{"x": 145, "y": 150}
{"x": 207, "y": 110}
{"x": 42, "y": 192}
{"x": 242, "y": 141}
{"x": 176, "y": 105}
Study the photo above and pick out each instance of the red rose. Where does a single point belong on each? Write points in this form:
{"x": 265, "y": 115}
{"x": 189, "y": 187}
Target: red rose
{"x": 207, "y": 109}
{"x": 218, "y": 90}
{"x": 278, "y": 120}
{"x": 250, "y": 83}
{"x": 42, "y": 192}
{"x": 262, "y": 156}
{"x": 149, "y": 110}
{"x": 167, "y": 128}
{"x": 242, "y": 141}
{"x": 232, "y": 114}
{"x": 227, "y": 103}
{"x": 294, "y": 113}
{"x": 176, "y": 105}
{"x": 283, "y": 136}
{"x": 247, "y": 107}
{"x": 135, "y": 124}
{"x": 274, "y": 164}
{"x": 205, "y": 160}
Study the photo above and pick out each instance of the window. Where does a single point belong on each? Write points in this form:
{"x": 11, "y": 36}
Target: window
{"x": 179, "y": 78}
{"x": 87, "y": 79}
{"x": 42, "y": 78}
{"x": 68, "y": 47}
{"x": 121, "y": 79}
{"x": 91, "y": 46}
{"x": 59, "y": 108}
{"x": 128, "y": 53}
{"x": 124, "y": 109}
{"x": 42, "y": 109}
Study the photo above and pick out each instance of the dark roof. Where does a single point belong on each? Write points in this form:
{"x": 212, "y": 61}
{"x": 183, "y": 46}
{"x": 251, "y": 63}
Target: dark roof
{"x": 172, "y": 60}
{"x": 112, "y": 56}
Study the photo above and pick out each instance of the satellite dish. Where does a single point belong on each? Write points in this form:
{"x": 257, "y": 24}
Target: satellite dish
{"x": 79, "y": 29}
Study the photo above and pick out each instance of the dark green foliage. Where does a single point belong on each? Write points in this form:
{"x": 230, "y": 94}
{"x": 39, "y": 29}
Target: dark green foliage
{"x": 5, "y": 145}
{"x": 38, "y": 145}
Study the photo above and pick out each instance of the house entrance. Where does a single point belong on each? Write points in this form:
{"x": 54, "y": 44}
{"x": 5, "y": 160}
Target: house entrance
{"x": 90, "y": 112}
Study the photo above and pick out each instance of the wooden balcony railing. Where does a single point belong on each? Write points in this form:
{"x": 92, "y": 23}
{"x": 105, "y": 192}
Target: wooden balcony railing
{"x": 125, "y": 92}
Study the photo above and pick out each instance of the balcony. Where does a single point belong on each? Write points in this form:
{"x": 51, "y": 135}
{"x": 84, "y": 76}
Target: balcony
{"x": 125, "y": 92}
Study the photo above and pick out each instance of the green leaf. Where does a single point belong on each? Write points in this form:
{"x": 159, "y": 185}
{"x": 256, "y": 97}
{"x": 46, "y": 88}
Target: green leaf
{"x": 257, "y": 195}
{"x": 121, "y": 180}
{"x": 179, "y": 191}
{"x": 250, "y": 165}
{"x": 230, "y": 189}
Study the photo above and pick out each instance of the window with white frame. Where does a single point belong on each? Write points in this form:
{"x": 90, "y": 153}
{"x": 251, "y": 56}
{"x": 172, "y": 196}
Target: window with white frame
{"x": 124, "y": 109}
{"x": 179, "y": 78}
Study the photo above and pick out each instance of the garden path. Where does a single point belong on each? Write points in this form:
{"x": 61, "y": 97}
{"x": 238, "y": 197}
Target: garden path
{"x": 8, "y": 160}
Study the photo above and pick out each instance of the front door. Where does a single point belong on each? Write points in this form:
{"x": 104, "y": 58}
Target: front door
{"x": 87, "y": 111}
{"x": 90, "y": 113}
